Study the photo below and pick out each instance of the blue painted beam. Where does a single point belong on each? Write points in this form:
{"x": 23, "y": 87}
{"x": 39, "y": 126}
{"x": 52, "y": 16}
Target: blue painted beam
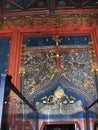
{"x": 51, "y": 6}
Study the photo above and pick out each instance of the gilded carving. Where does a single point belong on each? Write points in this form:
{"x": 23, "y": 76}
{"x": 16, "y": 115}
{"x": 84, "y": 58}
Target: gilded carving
{"x": 78, "y": 70}
{"x": 62, "y": 20}
{"x": 58, "y": 97}
{"x": 38, "y": 68}
{"x": 38, "y": 72}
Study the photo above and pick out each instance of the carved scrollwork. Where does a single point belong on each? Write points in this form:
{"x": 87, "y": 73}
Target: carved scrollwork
{"x": 57, "y": 20}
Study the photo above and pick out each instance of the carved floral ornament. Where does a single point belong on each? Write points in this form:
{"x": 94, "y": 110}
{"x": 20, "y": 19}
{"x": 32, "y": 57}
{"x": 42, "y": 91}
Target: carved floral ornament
{"x": 60, "y": 20}
{"x": 59, "y": 103}
{"x": 58, "y": 97}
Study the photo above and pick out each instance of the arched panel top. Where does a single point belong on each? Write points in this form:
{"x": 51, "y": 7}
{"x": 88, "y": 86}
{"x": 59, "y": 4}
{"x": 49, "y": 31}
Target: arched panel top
{"x": 68, "y": 88}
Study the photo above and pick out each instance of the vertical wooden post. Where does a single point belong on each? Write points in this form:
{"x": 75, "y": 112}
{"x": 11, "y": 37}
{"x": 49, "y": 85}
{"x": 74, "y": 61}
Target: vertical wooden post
{"x": 56, "y": 39}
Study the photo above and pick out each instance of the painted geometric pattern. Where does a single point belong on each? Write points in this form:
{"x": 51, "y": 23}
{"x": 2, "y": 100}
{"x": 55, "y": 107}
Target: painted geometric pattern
{"x": 40, "y": 69}
{"x": 77, "y": 3}
{"x": 40, "y": 4}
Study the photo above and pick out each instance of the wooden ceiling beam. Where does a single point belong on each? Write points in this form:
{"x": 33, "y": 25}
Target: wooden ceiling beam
{"x": 15, "y": 4}
{"x": 51, "y": 6}
{"x": 80, "y": 3}
{"x": 73, "y": 3}
{"x": 24, "y": 4}
{"x": 86, "y": 2}
{"x": 30, "y": 3}
{"x": 1, "y": 7}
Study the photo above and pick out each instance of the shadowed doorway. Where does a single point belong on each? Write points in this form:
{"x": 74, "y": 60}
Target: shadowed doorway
{"x": 59, "y": 127}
